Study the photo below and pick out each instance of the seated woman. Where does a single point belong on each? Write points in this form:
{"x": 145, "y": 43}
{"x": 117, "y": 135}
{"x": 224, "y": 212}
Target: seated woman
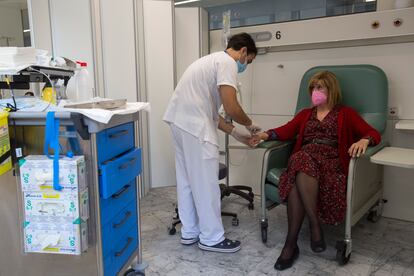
{"x": 328, "y": 135}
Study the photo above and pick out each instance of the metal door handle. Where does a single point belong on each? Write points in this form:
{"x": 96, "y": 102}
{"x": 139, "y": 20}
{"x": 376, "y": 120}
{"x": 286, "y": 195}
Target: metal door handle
{"x": 119, "y": 253}
{"x": 119, "y": 224}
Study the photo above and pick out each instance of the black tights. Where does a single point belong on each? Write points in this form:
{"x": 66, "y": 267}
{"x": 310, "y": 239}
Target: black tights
{"x": 302, "y": 199}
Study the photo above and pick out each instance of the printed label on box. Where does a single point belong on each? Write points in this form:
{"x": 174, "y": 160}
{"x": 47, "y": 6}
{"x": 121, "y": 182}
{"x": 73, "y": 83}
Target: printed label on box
{"x": 56, "y": 206}
{"x": 69, "y": 239}
{"x": 36, "y": 173}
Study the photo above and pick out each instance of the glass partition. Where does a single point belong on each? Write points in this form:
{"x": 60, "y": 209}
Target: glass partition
{"x": 14, "y": 23}
{"x": 255, "y": 12}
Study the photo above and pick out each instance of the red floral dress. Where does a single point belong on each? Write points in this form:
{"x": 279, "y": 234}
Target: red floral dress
{"x": 322, "y": 162}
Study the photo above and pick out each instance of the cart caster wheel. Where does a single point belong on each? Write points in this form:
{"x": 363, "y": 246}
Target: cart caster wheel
{"x": 373, "y": 216}
{"x": 235, "y": 222}
{"x": 341, "y": 257}
{"x": 251, "y": 206}
{"x": 263, "y": 227}
{"x": 172, "y": 231}
{"x": 131, "y": 272}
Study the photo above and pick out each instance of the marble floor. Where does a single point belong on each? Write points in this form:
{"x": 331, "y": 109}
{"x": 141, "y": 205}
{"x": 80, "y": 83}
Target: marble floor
{"x": 382, "y": 248}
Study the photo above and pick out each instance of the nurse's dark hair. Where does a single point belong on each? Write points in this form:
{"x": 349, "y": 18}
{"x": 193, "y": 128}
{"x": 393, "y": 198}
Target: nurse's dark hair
{"x": 238, "y": 41}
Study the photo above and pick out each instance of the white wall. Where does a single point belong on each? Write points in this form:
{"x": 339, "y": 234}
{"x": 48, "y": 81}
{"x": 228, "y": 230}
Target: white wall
{"x": 72, "y": 31}
{"x": 40, "y": 24}
{"x": 159, "y": 59}
{"x": 191, "y": 37}
{"x": 11, "y": 26}
{"x": 187, "y": 38}
{"x": 118, "y": 41}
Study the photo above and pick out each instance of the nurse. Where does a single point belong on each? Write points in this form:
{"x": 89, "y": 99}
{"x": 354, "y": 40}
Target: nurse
{"x": 193, "y": 116}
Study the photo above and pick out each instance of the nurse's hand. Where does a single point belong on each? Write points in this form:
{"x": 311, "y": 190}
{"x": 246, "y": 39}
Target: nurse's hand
{"x": 241, "y": 135}
{"x": 257, "y": 138}
{"x": 358, "y": 148}
{"x": 253, "y": 128}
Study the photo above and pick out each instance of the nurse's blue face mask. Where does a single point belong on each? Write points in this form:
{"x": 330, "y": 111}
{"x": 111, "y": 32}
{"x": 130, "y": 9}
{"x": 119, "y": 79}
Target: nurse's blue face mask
{"x": 241, "y": 66}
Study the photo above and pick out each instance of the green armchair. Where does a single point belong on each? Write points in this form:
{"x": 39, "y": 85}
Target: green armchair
{"x": 364, "y": 88}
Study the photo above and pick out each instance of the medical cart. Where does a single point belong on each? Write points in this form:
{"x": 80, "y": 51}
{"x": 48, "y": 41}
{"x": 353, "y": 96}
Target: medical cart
{"x": 113, "y": 164}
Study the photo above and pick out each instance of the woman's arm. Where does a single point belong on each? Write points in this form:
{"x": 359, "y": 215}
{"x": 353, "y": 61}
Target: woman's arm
{"x": 285, "y": 132}
{"x": 362, "y": 129}
{"x": 257, "y": 138}
{"x": 358, "y": 148}
{"x": 369, "y": 136}
{"x": 290, "y": 129}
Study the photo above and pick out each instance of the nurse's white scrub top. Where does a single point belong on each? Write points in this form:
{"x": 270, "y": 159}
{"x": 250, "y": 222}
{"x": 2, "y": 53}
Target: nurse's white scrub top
{"x": 195, "y": 103}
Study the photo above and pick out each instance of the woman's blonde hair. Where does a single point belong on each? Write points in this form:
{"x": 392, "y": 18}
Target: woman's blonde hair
{"x": 327, "y": 79}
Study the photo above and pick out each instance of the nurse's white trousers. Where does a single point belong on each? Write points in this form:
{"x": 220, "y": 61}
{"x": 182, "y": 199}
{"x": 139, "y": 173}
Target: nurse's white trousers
{"x": 198, "y": 192}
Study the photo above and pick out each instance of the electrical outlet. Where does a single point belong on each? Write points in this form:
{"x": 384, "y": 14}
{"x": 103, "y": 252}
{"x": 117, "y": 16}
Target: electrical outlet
{"x": 392, "y": 111}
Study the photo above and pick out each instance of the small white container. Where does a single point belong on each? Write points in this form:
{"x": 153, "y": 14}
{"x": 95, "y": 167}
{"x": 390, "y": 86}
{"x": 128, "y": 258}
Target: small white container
{"x": 79, "y": 88}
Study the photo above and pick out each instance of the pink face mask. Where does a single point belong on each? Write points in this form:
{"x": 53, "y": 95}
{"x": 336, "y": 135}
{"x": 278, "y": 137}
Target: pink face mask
{"x": 318, "y": 97}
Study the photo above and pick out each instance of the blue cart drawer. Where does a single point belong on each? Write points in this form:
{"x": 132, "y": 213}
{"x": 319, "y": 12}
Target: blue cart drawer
{"x": 117, "y": 259}
{"x": 112, "y": 142}
{"x": 117, "y": 228}
{"x": 124, "y": 248}
{"x": 118, "y": 201}
{"x": 122, "y": 251}
{"x": 116, "y": 173}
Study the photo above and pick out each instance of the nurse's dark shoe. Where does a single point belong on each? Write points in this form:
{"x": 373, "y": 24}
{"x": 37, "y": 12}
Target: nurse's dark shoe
{"x": 282, "y": 264}
{"x": 226, "y": 246}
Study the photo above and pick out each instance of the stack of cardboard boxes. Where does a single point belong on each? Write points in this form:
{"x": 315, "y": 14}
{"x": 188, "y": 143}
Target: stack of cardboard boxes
{"x": 54, "y": 221}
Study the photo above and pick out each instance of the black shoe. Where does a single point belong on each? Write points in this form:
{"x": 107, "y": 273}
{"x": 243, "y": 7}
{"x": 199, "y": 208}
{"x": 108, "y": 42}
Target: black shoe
{"x": 318, "y": 246}
{"x": 282, "y": 264}
{"x": 226, "y": 246}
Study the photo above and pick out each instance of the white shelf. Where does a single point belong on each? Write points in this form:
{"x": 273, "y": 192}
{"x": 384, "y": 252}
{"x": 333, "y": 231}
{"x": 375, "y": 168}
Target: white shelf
{"x": 405, "y": 125}
{"x": 393, "y": 156}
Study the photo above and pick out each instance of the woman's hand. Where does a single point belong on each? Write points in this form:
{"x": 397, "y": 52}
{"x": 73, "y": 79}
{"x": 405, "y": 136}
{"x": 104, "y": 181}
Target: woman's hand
{"x": 257, "y": 138}
{"x": 358, "y": 148}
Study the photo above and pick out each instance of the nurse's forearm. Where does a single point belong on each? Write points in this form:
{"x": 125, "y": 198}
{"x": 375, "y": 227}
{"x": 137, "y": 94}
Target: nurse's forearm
{"x": 225, "y": 127}
{"x": 238, "y": 115}
{"x": 231, "y": 105}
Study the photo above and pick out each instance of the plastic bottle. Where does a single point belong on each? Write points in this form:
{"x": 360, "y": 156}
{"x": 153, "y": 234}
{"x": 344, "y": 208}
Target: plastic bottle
{"x": 79, "y": 87}
{"x": 84, "y": 83}
{"x": 71, "y": 89}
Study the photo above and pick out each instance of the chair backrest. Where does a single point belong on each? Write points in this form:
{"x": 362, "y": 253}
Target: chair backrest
{"x": 364, "y": 88}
